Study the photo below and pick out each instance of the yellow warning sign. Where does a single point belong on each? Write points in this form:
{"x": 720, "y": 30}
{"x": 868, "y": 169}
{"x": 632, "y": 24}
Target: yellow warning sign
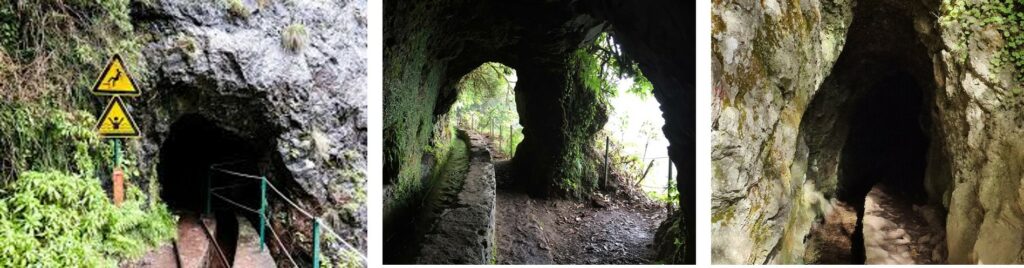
{"x": 115, "y": 80}
{"x": 116, "y": 122}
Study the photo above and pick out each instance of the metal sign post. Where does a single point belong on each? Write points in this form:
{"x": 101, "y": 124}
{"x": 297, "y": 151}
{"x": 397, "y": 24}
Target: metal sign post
{"x": 115, "y": 122}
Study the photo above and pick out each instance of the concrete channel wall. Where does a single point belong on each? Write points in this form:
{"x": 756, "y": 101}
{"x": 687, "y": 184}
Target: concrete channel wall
{"x": 464, "y": 231}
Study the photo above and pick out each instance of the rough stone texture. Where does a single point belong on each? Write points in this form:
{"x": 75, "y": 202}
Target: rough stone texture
{"x": 981, "y": 122}
{"x": 305, "y": 108}
{"x": 464, "y": 231}
{"x": 193, "y": 245}
{"x": 768, "y": 59}
{"x": 764, "y": 72}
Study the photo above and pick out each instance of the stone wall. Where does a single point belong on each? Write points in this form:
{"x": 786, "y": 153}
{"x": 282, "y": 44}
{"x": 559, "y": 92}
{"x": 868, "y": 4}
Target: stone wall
{"x": 464, "y": 230}
{"x": 770, "y": 59}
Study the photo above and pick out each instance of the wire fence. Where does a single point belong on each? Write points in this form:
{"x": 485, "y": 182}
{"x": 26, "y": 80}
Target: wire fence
{"x": 262, "y": 211}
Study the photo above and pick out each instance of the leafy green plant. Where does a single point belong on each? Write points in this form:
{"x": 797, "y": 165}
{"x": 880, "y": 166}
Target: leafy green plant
{"x": 486, "y": 104}
{"x": 54, "y": 219}
{"x": 1007, "y": 16}
{"x": 44, "y": 41}
{"x": 294, "y": 37}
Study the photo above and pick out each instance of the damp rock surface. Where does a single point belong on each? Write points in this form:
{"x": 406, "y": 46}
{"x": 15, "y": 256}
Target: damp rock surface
{"x": 302, "y": 108}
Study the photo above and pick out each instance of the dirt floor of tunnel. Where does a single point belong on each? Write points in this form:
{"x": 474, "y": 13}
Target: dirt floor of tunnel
{"x": 616, "y": 230}
{"x": 896, "y": 231}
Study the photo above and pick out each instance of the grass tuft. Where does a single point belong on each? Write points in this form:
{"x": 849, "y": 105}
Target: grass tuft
{"x": 294, "y": 37}
{"x": 236, "y": 8}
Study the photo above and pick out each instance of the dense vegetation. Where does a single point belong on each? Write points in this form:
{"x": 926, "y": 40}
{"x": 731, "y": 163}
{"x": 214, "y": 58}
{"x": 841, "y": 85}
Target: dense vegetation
{"x": 597, "y": 68}
{"x": 487, "y": 104}
{"x": 54, "y": 213}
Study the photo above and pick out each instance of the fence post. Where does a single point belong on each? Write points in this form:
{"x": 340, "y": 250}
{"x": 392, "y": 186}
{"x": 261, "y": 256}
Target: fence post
{"x": 263, "y": 209}
{"x": 606, "y": 143}
{"x": 117, "y": 176}
{"x": 669, "y": 160}
{"x": 316, "y": 243}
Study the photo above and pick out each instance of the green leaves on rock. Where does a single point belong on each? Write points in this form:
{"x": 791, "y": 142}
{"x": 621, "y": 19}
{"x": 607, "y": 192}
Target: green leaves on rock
{"x": 1007, "y": 16}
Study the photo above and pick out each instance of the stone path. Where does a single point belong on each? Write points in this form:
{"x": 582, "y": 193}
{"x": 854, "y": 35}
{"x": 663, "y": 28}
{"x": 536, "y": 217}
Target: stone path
{"x": 897, "y": 232}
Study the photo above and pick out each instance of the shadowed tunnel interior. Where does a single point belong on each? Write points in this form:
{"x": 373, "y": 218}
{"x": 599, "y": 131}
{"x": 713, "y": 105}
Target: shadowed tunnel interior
{"x": 193, "y": 145}
{"x": 886, "y": 145}
{"x": 887, "y": 141}
{"x": 869, "y": 123}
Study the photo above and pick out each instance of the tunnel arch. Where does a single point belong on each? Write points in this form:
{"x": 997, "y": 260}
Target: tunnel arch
{"x": 870, "y": 121}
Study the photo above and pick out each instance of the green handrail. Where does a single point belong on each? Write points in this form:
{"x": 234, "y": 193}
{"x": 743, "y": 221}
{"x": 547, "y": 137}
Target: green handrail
{"x": 263, "y": 210}
{"x": 316, "y": 243}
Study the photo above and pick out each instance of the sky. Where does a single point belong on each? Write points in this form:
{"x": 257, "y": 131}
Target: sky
{"x": 632, "y": 111}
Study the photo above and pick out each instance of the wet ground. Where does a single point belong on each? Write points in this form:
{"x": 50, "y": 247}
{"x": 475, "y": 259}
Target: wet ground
{"x": 603, "y": 230}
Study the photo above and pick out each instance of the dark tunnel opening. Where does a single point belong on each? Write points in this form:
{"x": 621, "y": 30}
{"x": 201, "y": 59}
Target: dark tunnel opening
{"x": 186, "y": 156}
{"x": 868, "y": 130}
{"x": 887, "y": 145}
{"x": 194, "y": 146}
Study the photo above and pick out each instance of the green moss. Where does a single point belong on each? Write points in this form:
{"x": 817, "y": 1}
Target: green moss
{"x": 723, "y": 214}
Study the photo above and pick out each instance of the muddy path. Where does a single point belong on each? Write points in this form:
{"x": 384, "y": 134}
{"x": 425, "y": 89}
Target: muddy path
{"x": 616, "y": 230}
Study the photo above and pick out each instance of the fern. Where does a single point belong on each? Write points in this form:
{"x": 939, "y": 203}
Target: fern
{"x": 59, "y": 220}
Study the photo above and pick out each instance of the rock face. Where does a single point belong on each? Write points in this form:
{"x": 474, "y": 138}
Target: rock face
{"x": 464, "y": 231}
{"x": 768, "y": 60}
{"x": 303, "y": 106}
{"x": 979, "y": 166}
{"x": 786, "y": 137}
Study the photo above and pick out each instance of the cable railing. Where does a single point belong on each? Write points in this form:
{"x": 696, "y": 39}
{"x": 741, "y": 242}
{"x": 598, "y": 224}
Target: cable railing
{"x": 262, "y": 211}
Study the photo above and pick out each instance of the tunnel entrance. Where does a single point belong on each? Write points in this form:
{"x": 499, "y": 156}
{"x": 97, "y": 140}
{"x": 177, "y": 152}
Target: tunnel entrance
{"x": 887, "y": 141}
{"x": 194, "y": 146}
{"x": 868, "y": 134}
{"x": 886, "y": 145}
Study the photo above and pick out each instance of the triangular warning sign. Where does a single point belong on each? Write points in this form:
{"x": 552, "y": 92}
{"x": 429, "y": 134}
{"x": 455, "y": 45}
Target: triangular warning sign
{"x": 115, "y": 79}
{"x": 116, "y": 122}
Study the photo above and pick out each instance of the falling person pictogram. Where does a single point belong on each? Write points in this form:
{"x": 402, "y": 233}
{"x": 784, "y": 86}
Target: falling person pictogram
{"x": 113, "y": 80}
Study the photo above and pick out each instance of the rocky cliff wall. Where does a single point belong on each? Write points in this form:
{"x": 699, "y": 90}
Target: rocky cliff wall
{"x": 774, "y": 156}
{"x": 768, "y": 60}
{"x": 287, "y": 76}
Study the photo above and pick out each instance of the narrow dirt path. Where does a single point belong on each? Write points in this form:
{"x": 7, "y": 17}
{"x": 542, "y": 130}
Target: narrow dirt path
{"x": 899, "y": 232}
{"x": 618, "y": 230}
